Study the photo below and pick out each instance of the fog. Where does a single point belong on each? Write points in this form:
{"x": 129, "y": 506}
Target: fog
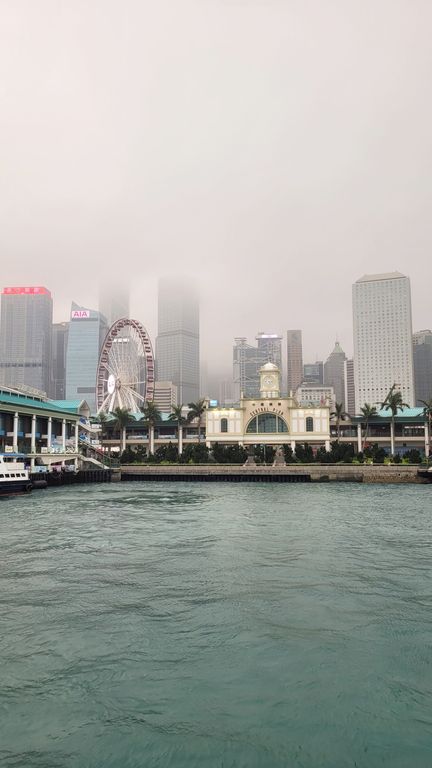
{"x": 274, "y": 151}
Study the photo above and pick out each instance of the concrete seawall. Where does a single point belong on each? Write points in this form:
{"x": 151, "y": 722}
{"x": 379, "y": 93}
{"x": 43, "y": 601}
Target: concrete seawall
{"x": 354, "y": 473}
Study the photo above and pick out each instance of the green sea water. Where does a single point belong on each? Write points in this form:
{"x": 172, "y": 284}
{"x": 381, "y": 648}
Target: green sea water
{"x": 216, "y": 626}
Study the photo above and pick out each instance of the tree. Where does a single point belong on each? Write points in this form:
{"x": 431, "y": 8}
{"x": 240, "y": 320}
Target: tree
{"x": 339, "y": 414}
{"x": 427, "y": 413}
{"x": 393, "y": 403}
{"x": 196, "y": 411}
{"x": 103, "y": 420}
{"x": 368, "y": 411}
{"x": 177, "y": 416}
{"x": 151, "y": 415}
{"x": 121, "y": 416}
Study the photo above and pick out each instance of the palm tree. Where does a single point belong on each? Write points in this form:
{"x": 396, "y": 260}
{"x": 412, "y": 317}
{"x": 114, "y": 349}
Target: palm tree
{"x": 196, "y": 410}
{"x": 177, "y": 415}
{"x": 368, "y": 411}
{"x": 151, "y": 415}
{"x": 339, "y": 414}
{"x": 427, "y": 413}
{"x": 393, "y": 403}
{"x": 103, "y": 421}
{"x": 122, "y": 416}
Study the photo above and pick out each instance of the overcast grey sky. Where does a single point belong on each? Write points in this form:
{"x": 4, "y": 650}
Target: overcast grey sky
{"x": 275, "y": 150}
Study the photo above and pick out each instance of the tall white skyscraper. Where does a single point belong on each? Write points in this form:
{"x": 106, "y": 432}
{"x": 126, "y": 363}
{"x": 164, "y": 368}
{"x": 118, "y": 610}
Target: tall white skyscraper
{"x": 382, "y": 326}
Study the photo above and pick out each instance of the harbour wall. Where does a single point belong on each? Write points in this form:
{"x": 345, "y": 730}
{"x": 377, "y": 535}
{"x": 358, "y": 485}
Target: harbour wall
{"x": 354, "y": 473}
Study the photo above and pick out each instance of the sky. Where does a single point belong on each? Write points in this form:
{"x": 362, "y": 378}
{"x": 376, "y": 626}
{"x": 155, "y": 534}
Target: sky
{"x": 272, "y": 150}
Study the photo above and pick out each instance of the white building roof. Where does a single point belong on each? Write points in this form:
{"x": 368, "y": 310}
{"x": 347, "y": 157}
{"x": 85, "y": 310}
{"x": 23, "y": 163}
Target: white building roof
{"x": 381, "y": 276}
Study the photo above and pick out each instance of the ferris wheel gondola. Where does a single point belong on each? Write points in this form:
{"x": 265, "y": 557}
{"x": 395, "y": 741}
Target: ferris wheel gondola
{"x": 125, "y": 374}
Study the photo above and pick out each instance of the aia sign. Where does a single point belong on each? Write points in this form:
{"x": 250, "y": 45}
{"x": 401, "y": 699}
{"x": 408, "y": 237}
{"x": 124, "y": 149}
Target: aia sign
{"x": 80, "y": 314}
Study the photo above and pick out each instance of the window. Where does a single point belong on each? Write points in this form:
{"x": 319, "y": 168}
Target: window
{"x": 266, "y": 423}
{"x": 224, "y": 425}
{"x": 309, "y": 424}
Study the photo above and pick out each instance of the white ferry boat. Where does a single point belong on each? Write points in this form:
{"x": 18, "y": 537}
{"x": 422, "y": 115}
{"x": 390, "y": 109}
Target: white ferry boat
{"x": 14, "y": 477}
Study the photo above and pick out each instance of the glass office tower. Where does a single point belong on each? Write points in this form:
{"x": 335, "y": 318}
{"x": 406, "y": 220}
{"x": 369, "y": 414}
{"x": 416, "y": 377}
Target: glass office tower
{"x": 87, "y": 330}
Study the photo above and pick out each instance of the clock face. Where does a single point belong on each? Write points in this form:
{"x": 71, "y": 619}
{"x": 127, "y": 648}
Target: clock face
{"x": 269, "y": 381}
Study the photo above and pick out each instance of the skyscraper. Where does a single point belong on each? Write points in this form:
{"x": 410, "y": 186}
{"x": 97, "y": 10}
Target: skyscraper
{"x": 422, "y": 352}
{"x": 25, "y": 337}
{"x": 246, "y": 365}
{"x": 177, "y": 343}
{"x": 334, "y": 373}
{"x": 350, "y": 405}
{"x": 294, "y": 360}
{"x": 270, "y": 348}
{"x": 113, "y": 301}
{"x": 313, "y": 373}
{"x": 383, "y": 350}
{"x": 58, "y": 364}
{"x": 87, "y": 330}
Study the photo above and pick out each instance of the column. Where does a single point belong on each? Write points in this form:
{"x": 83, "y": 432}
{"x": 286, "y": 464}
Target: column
{"x": 180, "y": 439}
{"x": 327, "y": 445}
{"x": 293, "y": 446}
{"x": 76, "y": 437}
{"x": 359, "y": 437}
{"x": 426, "y": 439}
{"x": 33, "y": 435}
{"x": 15, "y": 432}
{"x": 49, "y": 433}
{"x": 64, "y": 435}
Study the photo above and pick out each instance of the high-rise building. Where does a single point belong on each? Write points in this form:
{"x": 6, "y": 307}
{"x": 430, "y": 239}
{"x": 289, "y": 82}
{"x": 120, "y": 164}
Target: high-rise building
{"x": 25, "y": 337}
{"x": 114, "y": 301}
{"x": 313, "y": 373}
{"x": 422, "y": 353}
{"x": 315, "y": 394}
{"x": 383, "y": 349}
{"x": 246, "y": 365}
{"x": 58, "y": 364}
{"x": 87, "y": 331}
{"x": 349, "y": 387}
{"x": 165, "y": 396}
{"x": 270, "y": 348}
{"x": 294, "y": 360}
{"x": 177, "y": 343}
{"x": 334, "y": 373}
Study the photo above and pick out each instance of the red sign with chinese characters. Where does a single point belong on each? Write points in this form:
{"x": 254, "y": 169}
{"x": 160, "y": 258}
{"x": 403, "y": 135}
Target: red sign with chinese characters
{"x": 26, "y": 291}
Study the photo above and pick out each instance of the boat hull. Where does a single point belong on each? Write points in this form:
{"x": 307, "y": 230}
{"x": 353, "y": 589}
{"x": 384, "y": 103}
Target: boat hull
{"x": 12, "y": 487}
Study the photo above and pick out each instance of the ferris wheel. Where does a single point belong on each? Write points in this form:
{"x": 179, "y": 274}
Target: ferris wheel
{"x": 125, "y": 374}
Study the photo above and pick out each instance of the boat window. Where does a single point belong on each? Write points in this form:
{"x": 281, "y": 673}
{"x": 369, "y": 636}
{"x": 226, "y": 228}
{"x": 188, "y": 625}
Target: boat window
{"x": 12, "y": 474}
{"x": 1, "y": 476}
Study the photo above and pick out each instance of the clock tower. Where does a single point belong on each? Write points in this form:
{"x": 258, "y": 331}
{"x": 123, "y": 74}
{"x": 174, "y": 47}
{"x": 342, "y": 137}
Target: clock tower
{"x": 270, "y": 376}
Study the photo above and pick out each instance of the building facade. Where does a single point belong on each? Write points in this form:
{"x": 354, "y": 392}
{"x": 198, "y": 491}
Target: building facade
{"x": 177, "y": 343}
{"x": 58, "y": 360}
{"x": 165, "y": 396}
{"x": 349, "y": 383}
{"x": 269, "y": 419}
{"x": 315, "y": 394}
{"x": 383, "y": 349}
{"x": 422, "y": 356}
{"x": 25, "y": 337}
{"x": 294, "y": 360}
{"x": 334, "y": 373}
{"x": 313, "y": 373}
{"x": 269, "y": 347}
{"x": 87, "y": 331}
